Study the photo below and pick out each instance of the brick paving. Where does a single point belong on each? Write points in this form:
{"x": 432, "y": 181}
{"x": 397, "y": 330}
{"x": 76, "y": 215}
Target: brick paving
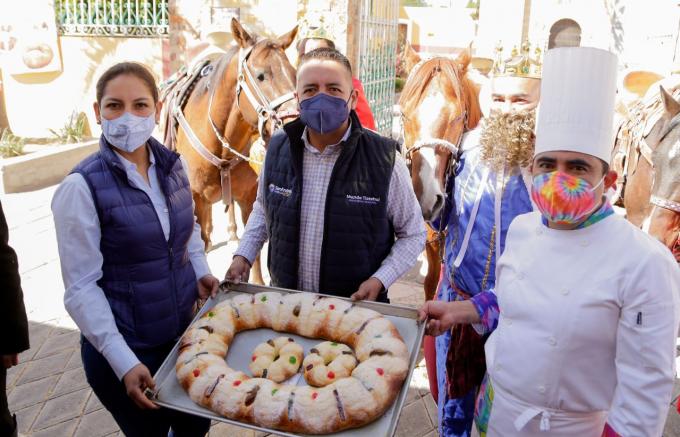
{"x": 48, "y": 390}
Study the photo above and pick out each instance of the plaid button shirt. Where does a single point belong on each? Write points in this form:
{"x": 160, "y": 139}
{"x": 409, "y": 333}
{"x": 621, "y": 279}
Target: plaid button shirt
{"x": 402, "y": 209}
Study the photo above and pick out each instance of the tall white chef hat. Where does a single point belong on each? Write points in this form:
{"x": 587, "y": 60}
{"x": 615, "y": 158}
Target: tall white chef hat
{"x": 576, "y": 110}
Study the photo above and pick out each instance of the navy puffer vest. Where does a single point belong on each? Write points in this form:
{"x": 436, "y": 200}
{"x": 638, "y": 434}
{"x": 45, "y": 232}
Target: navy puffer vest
{"x": 358, "y": 234}
{"x": 148, "y": 281}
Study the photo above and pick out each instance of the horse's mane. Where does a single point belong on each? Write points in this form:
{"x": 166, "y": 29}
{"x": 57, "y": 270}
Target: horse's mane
{"x": 459, "y": 87}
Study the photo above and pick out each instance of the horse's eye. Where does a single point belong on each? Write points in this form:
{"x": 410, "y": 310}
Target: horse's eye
{"x": 260, "y": 77}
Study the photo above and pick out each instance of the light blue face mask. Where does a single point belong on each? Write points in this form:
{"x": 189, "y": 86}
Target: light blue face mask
{"x": 128, "y": 132}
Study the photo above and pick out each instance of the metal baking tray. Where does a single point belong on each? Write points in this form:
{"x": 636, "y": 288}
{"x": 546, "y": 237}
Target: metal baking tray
{"x": 170, "y": 394}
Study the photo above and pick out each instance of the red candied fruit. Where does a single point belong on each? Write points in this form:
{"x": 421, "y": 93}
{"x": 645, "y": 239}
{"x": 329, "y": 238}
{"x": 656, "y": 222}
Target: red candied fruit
{"x": 331, "y": 375}
{"x": 331, "y": 306}
{"x": 197, "y": 372}
{"x": 237, "y": 383}
{"x": 380, "y": 371}
{"x": 254, "y": 358}
{"x": 314, "y": 395}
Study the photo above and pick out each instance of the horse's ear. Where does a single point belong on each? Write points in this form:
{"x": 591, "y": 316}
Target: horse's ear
{"x": 286, "y": 40}
{"x": 411, "y": 58}
{"x": 242, "y": 37}
{"x": 464, "y": 59}
{"x": 670, "y": 104}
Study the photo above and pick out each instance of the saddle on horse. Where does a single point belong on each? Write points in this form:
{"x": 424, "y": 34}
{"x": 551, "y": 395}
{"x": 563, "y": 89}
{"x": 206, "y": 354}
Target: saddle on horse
{"x": 174, "y": 93}
{"x": 631, "y": 141}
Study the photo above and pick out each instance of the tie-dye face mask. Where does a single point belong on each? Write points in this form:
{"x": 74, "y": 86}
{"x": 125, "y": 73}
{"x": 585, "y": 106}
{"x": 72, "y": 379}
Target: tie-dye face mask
{"x": 564, "y": 199}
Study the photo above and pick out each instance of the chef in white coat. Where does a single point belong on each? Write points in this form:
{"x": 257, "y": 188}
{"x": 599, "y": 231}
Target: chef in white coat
{"x": 589, "y": 304}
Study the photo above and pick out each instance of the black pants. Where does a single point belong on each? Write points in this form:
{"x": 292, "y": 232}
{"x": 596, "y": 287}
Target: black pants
{"x": 132, "y": 420}
{"x": 7, "y": 427}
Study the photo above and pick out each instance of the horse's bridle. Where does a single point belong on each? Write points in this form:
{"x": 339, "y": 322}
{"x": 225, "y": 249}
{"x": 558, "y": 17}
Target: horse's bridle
{"x": 265, "y": 109}
{"x": 435, "y": 143}
{"x": 454, "y": 148}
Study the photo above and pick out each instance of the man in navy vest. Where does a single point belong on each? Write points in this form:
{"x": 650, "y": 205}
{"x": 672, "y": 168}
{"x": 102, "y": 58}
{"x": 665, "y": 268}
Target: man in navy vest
{"x": 335, "y": 200}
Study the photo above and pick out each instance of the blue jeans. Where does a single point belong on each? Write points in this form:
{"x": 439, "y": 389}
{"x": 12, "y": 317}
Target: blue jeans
{"x": 132, "y": 420}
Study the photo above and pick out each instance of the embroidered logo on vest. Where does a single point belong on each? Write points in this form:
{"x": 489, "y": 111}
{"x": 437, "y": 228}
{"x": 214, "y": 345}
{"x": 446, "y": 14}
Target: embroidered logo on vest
{"x": 285, "y": 192}
{"x": 366, "y": 200}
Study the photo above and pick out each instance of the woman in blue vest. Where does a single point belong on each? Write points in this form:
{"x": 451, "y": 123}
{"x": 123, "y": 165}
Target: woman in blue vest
{"x": 131, "y": 255}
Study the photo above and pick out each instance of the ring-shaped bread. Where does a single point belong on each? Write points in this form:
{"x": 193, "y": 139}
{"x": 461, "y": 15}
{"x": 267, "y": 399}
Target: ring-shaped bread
{"x": 327, "y": 362}
{"x": 277, "y": 359}
{"x": 347, "y": 403}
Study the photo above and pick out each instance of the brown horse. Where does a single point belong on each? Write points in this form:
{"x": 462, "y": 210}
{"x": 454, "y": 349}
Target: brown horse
{"x": 247, "y": 92}
{"x": 439, "y": 103}
{"x": 647, "y": 158}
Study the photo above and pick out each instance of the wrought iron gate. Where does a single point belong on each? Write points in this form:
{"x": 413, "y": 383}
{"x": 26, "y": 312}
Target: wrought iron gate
{"x": 378, "y": 57}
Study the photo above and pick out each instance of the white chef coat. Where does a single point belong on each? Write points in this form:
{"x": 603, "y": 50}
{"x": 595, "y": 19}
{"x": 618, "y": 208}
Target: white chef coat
{"x": 587, "y": 331}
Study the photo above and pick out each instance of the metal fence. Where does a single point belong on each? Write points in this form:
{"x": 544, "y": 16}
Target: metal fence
{"x": 378, "y": 57}
{"x": 129, "y": 18}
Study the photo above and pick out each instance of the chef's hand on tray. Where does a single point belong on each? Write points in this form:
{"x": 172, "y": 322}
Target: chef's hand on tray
{"x": 368, "y": 290}
{"x": 136, "y": 381}
{"x": 239, "y": 270}
{"x": 208, "y": 286}
{"x": 441, "y": 316}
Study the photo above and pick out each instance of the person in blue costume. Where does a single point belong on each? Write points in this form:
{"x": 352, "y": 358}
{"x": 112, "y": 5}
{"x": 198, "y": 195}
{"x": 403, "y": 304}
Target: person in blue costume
{"x": 488, "y": 190}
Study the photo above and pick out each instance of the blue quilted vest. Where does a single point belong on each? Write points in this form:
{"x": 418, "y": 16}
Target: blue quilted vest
{"x": 358, "y": 234}
{"x": 148, "y": 281}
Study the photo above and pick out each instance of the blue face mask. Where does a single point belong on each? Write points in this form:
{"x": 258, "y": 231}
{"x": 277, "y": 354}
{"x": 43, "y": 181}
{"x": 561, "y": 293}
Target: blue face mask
{"x": 128, "y": 132}
{"x": 323, "y": 113}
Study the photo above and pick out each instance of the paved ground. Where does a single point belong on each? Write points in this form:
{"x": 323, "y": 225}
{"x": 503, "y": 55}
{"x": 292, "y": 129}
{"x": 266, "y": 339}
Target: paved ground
{"x": 48, "y": 390}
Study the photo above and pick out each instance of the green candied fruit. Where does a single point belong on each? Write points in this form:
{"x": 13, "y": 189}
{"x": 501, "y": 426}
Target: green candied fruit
{"x": 263, "y": 299}
{"x": 211, "y": 314}
{"x": 274, "y": 391}
{"x": 292, "y": 360}
{"x": 334, "y": 344}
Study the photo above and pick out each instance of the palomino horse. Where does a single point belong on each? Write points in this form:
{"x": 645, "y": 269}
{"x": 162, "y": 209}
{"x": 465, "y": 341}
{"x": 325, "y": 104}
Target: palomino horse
{"x": 439, "y": 103}
{"x": 248, "y": 91}
{"x": 647, "y": 158}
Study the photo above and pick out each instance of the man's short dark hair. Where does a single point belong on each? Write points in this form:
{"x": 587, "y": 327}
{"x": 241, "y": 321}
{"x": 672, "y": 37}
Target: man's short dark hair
{"x": 325, "y": 54}
{"x": 303, "y": 42}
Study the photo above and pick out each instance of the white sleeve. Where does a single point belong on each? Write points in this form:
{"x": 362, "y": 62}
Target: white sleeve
{"x": 78, "y": 238}
{"x": 196, "y": 246}
{"x": 645, "y": 349}
{"x": 404, "y": 212}
{"x": 255, "y": 233}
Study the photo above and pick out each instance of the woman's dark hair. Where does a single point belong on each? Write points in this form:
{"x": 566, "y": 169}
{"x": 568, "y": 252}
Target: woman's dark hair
{"x": 129, "y": 68}
{"x": 303, "y": 42}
